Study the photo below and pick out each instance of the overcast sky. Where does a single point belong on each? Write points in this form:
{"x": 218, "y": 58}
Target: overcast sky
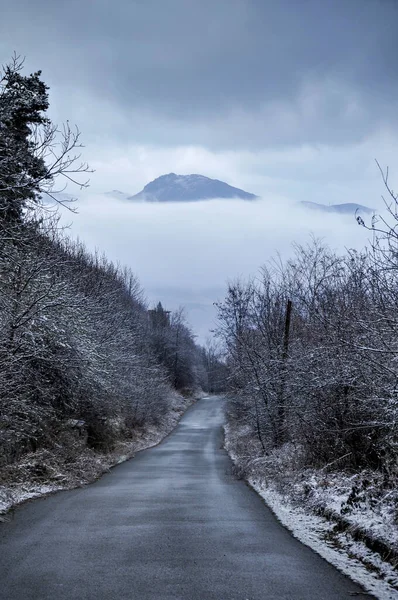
{"x": 289, "y": 99}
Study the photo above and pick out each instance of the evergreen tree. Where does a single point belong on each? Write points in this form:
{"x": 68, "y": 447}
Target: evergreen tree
{"x": 23, "y": 103}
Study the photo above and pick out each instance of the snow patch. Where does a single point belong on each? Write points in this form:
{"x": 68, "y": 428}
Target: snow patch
{"x": 313, "y": 531}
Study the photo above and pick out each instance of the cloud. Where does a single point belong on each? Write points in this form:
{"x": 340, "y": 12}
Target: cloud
{"x": 184, "y": 254}
{"x": 316, "y": 173}
{"x": 252, "y": 73}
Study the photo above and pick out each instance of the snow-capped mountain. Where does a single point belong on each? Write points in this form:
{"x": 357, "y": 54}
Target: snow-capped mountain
{"x": 188, "y": 188}
{"x": 349, "y": 208}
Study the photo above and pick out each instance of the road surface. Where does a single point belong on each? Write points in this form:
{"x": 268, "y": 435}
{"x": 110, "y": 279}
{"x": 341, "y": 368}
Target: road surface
{"x": 171, "y": 524}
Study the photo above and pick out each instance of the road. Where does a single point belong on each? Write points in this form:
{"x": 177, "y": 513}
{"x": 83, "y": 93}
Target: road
{"x": 171, "y": 524}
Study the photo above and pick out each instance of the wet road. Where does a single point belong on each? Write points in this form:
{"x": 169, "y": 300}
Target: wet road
{"x": 171, "y": 524}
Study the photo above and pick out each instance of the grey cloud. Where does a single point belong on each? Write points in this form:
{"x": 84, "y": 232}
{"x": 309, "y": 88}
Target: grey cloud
{"x": 219, "y": 73}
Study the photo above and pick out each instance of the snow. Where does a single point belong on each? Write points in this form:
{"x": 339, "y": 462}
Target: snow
{"x": 313, "y": 531}
{"x": 296, "y": 511}
{"x": 10, "y": 497}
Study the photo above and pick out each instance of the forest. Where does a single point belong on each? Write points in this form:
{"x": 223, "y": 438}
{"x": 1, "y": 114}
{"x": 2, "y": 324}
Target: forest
{"x": 312, "y": 347}
{"x": 85, "y": 361}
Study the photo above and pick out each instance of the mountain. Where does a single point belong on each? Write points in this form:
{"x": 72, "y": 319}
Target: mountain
{"x": 117, "y": 194}
{"x": 350, "y": 208}
{"x": 188, "y": 188}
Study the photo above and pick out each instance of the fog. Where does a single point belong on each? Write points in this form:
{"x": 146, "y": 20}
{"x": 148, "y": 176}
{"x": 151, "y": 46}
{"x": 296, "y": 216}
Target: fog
{"x": 184, "y": 254}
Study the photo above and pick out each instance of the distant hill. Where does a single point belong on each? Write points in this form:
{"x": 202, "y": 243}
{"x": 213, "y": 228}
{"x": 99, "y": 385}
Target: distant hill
{"x": 117, "y": 194}
{"x": 188, "y": 188}
{"x": 350, "y": 208}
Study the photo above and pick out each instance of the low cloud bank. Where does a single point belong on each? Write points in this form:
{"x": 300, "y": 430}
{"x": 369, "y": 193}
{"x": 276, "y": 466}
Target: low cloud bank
{"x": 184, "y": 253}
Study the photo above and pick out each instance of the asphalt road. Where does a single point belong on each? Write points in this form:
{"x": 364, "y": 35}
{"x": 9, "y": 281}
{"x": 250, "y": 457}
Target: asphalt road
{"x": 173, "y": 523}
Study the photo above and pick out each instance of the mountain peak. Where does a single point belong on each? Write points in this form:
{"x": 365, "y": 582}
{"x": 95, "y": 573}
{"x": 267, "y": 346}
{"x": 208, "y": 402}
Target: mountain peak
{"x": 188, "y": 188}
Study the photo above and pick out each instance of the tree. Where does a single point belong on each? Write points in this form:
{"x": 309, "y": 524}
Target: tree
{"x": 76, "y": 339}
{"x": 333, "y": 394}
{"x": 34, "y": 153}
{"x": 175, "y": 348}
{"x": 214, "y": 367}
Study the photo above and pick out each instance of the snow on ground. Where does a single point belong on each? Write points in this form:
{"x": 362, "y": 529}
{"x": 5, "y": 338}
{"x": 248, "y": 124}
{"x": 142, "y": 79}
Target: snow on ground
{"x": 351, "y": 557}
{"x": 313, "y": 531}
{"x": 10, "y": 497}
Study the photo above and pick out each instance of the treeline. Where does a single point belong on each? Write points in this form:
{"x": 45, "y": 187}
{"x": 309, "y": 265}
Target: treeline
{"x": 187, "y": 364}
{"x": 78, "y": 345}
{"x": 77, "y": 342}
{"x": 312, "y": 347}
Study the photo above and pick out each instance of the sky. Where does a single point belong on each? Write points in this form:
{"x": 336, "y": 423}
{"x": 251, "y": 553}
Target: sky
{"x": 291, "y": 100}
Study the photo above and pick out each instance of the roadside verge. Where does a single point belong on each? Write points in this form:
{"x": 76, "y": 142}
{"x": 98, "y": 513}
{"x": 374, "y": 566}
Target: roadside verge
{"x": 51, "y": 470}
{"x": 344, "y": 547}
